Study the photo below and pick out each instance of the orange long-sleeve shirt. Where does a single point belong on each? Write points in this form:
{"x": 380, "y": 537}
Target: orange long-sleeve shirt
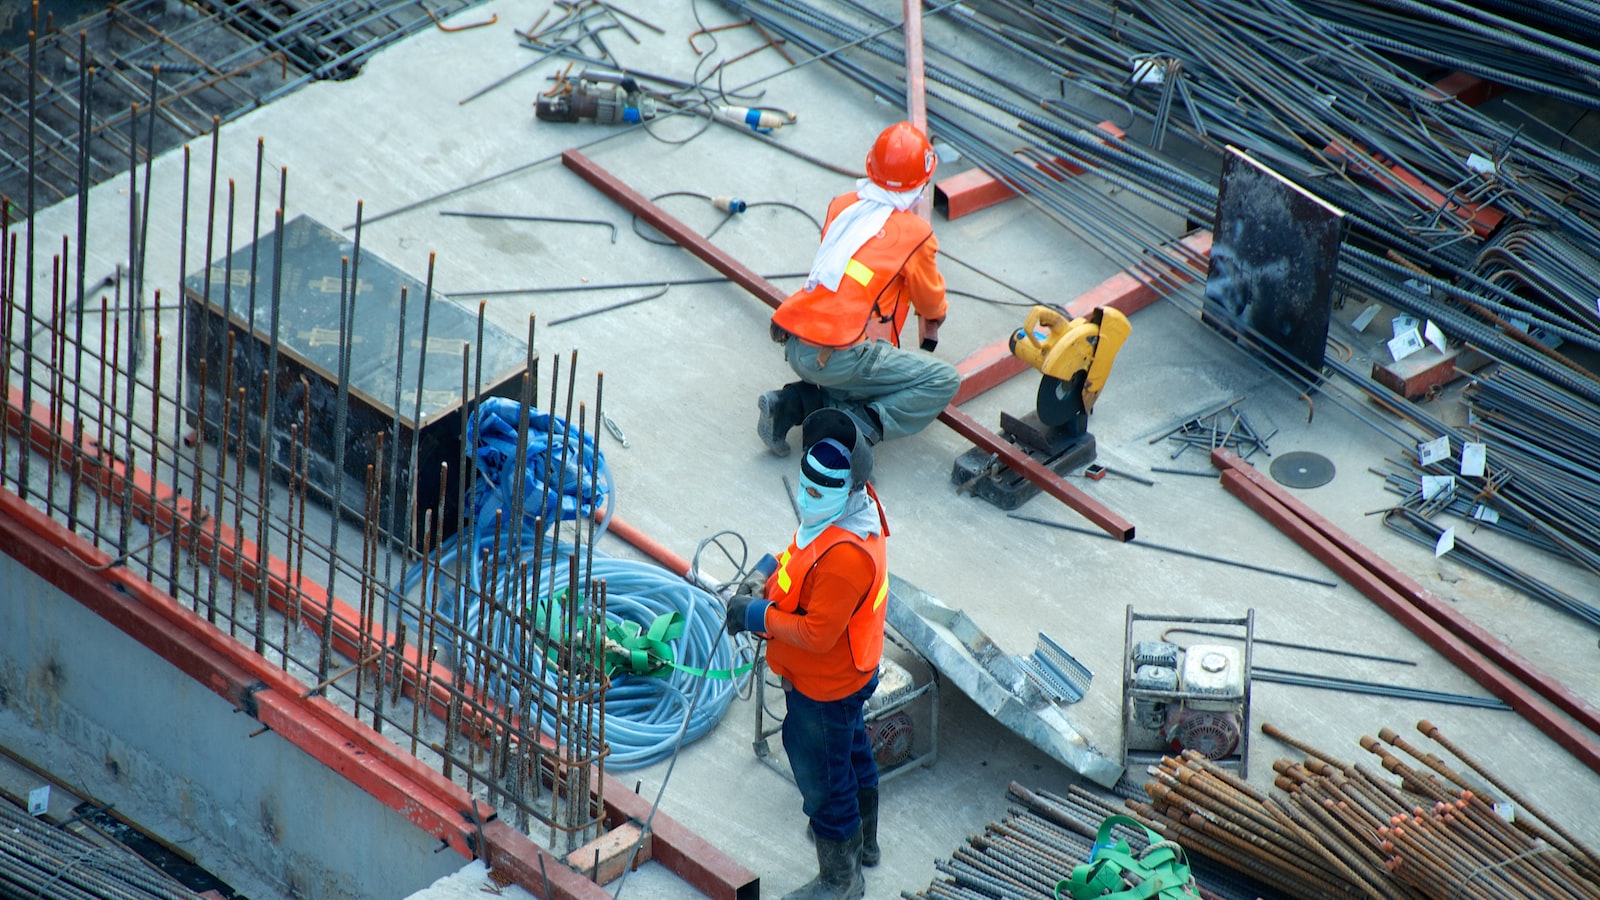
{"x": 812, "y": 650}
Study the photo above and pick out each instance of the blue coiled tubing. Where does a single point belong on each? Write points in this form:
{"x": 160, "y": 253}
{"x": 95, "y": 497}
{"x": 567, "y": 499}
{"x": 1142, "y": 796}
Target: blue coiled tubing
{"x": 647, "y": 716}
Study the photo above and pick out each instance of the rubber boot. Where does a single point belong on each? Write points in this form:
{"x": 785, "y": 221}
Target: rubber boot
{"x": 783, "y": 409}
{"x": 780, "y": 411}
{"x": 838, "y": 872}
{"x": 867, "y": 799}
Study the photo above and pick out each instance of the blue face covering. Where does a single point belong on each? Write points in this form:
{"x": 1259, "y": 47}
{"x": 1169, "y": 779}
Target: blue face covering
{"x": 825, "y": 469}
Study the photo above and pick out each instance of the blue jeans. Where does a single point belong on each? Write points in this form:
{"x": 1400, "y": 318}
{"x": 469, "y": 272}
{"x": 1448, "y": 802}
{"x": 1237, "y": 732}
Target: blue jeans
{"x": 831, "y": 758}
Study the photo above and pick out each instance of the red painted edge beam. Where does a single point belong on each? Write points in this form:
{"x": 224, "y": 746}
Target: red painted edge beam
{"x": 1127, "y": 292}
{"x": 670, "y": 226}
{"x": 1351, "y": 563}
{"x": 1436, "y": 609}
{"x": 976, "y": 189}
{"x": 1037, "y": 473}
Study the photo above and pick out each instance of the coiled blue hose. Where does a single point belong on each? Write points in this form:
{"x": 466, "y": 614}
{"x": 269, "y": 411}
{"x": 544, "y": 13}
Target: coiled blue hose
{"x": 648, "y": 716}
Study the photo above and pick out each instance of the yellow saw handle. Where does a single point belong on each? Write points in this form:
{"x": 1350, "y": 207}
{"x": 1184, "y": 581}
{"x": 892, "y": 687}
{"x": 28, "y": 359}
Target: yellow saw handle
{"x": 1060, "y": 347}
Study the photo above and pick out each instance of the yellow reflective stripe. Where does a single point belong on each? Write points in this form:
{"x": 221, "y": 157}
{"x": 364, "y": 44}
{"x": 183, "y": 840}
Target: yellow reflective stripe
{"x": 784, "y": 581}
{"x": 857, "y": 271}
{"x": 883, "y": 594}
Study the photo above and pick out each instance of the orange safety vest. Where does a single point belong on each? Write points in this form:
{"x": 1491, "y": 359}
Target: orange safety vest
{"x": 842, "y": 318}
{"x": 865, "y": 629}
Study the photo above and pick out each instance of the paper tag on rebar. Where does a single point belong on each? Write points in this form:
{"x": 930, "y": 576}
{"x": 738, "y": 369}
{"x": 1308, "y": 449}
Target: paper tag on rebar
{"x": 1473, "y": 457}
{"x": 1483, "y": 165}
{"x": 1404, "y": 345}
{"x": 1437, "y": 485}
{"x": 1505, "y": 810}
{"x": 1430, "y": 452}
{"x": 1367, "y": 315}
{"x": 39, "y": 801}
{"x": 1446, "y": 542}
{"x": 1484, "y": 513}
{"x": 1149, "y": 71}
{"x": 1434, "y": 336}
{"x": 1403, "y": 323}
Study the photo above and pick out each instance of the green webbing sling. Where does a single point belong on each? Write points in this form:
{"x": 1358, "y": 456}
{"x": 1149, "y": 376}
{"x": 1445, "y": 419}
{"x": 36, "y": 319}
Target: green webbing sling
{"x": 1162, "y": 870}
{"x": 637, "y": 650}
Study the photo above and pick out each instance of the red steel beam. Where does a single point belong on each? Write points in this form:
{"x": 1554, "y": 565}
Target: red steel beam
{"x": 1127, "y": 292}
{"x": 1426, "y": 601}
{"x": 976, "y": 189}
{"x": 333, "y": 737}
{"x": 669, "y": 225}
{"x": 746, "y": 278}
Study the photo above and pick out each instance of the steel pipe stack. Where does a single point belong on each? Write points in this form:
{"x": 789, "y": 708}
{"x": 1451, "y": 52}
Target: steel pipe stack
{"x": 1338, "y": 830}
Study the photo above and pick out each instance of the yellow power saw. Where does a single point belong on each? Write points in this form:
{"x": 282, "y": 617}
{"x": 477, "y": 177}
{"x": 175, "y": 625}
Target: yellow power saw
{"x": 1074, "y": 358}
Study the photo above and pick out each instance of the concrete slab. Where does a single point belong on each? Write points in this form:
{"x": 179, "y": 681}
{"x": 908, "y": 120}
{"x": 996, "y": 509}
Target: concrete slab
{"x": 682, "y": 373}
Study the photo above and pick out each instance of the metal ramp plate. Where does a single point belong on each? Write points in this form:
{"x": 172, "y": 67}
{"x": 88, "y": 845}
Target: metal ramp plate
{"x": 1002, "y": 687}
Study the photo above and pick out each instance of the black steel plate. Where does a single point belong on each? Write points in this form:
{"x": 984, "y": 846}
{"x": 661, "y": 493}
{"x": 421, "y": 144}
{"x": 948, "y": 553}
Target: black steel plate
{"x": 1302, "y": 469}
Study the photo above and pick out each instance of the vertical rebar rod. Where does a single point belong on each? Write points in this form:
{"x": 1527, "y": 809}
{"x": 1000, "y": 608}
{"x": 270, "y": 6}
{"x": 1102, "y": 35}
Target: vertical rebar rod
{"x": 345, "y": 310}
{"x": 84, "y": 124}
{"x": 263, "y": 513}
{"x": 53, "y": 373}
{"x": 196, "y": 495}
{"x": 269, "y": 410}
{"x": 422, "y": 374}
{"x": 237, "y": 555}
{"x": 255, "y": 230}
{"x": 25, "y": 443}
{"x": 394, "y": 458}
{"x": 155, "y": 455}
{"x": 131, "y": 458}
{"x": 364, "y": 591}
{"x": 292, "y": 581}
{"x": 8, "y": 284}
{"x": 181, "y": 356}
{"x": 137, "y": 263}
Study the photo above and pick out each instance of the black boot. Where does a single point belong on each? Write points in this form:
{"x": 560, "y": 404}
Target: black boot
{"x": 838, "y": 872}
{"x": 867, "y": 799}
{"x": 782, "y": 410}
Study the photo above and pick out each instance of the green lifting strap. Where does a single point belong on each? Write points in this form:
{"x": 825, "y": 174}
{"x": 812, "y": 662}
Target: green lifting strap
{"x": 1162, "y": 870}
{"x": 632, "y": 648}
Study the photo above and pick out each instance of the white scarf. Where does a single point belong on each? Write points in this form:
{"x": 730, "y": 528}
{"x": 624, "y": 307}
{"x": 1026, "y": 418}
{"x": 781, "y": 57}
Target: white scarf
{"x": 853, "y": 226}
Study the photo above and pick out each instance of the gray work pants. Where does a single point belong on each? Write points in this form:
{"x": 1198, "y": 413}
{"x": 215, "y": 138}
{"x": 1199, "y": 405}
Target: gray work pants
{"x": 907, "y": 388}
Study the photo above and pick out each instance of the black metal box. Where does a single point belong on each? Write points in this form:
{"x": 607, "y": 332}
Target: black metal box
{"x": 383, "y": 368}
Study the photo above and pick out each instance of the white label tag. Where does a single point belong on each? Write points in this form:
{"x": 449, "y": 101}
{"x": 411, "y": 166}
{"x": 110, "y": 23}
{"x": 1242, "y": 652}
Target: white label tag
{"x": 1403, "y": 323}
{"x": 1430, "y": 452}
{"x": 1446, "y": 543}
{"x": 1149, "y": 71}
{"x": 1434, "y": 336}
{"x": 1472, "y": 459}
{"x": 1505, "y": 810}
{"x": 1485, "y": 514}
{"x": 39, "y": 801}
{"x": 1405, "y": 345}
{"x": 1483, "y": 165}
{"x": 1365, "y": 318}
{"x": 1437, "y": 485}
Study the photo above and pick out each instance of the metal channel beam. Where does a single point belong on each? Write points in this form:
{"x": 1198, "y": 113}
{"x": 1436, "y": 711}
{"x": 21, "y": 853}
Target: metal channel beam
{"x": 742, "y": 275}
{"x": 1364, "y": 571}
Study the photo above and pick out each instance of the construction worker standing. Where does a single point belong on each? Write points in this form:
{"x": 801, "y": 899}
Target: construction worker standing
{"x": 822, "y": 611}
{"x": 841, "y": 331}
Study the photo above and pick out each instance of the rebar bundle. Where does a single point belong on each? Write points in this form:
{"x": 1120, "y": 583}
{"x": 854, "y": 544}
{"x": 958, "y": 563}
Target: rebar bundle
{"x": 41, "y": 860}
{"x": 197, "y": 63}
{"x": 1336, "y": 829}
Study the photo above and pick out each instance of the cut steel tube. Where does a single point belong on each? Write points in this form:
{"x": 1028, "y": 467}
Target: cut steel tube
{"x": 764, "y": 290}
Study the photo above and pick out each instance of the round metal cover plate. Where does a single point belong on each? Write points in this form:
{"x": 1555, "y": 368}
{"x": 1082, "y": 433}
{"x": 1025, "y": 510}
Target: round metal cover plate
{"x": 1300, "y": 469}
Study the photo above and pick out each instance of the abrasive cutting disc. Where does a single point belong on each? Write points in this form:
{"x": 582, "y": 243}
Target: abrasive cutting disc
{"x": 1059, "y": 402}
{"x": 1301, "y": 469}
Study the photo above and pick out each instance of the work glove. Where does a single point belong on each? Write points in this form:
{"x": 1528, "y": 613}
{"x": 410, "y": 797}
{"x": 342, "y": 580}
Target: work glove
{"x": 747, "y": 612}
{"x": 929, "y": 331}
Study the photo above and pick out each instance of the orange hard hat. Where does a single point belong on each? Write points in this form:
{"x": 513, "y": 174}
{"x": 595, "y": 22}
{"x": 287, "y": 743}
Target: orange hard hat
{"x": 901, "y": 159}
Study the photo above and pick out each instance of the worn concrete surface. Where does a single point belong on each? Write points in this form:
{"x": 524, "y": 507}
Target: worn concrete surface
{"x": 682, "y": 373}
